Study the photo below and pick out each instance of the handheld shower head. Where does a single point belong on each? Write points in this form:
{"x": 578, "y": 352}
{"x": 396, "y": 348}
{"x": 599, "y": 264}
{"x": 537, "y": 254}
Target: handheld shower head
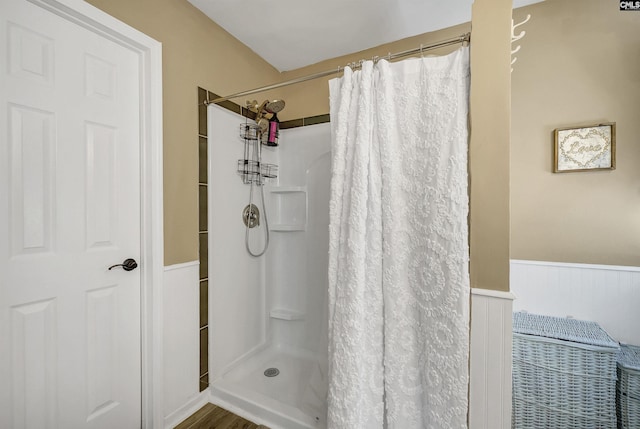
{"x": 263, "y": 123}
{"x": 274, "y": 106}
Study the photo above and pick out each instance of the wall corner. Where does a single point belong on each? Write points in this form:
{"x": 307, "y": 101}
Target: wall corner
{"x": 489, "y": 147}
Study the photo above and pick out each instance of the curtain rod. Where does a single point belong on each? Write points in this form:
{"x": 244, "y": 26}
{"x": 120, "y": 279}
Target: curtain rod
{"x": 460, "y": 39}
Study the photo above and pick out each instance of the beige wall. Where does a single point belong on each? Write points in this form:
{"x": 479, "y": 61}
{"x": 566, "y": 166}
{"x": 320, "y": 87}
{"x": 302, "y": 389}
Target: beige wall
{"x": 312, "y": 98}
{"x": 196, "y": 52}
{"x": 579, "y": 65}
{"x": 490, "y": 111}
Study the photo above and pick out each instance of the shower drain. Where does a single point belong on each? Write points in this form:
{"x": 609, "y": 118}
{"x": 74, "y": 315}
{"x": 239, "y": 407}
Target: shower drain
{"x": 271, "y": 372}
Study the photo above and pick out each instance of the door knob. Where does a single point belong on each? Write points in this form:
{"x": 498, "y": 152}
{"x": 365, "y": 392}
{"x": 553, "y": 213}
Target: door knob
{"x": 127, "y": 265}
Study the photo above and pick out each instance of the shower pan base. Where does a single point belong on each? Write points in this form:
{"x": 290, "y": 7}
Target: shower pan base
{"x": 294, "y": 399}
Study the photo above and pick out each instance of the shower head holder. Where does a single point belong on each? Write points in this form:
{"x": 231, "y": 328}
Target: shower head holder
{"x": 265, "y": 108}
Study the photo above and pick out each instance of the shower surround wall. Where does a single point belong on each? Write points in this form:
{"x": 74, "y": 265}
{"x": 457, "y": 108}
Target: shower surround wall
{"x": 269, "y": 311}
{"x": 203, "y": 219}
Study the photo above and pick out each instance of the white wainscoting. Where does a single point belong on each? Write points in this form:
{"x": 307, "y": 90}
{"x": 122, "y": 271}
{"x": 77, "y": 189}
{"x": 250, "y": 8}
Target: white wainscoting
{"x": 188, "y": 409}
{"x": 181, "y": 342}
{"x": 490, "y": 355}
{"x": 606, "y": 294}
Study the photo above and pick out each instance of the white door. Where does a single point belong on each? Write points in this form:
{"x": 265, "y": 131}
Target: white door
{"x": 69, "y": 209}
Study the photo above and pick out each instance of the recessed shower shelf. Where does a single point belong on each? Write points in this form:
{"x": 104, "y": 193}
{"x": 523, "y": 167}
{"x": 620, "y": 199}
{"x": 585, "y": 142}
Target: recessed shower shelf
{"x": 287, "y": 228}
{"x": 287, "y": 189}
{"x": 289, "y": 208}
{"x": 285, "y": 314}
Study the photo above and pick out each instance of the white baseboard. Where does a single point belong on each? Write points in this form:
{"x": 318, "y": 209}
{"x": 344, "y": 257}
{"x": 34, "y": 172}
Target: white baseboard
{"x": 490, "y": 356}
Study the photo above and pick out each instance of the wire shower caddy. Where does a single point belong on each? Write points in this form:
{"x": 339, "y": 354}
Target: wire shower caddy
{"x": 250, "y": 168}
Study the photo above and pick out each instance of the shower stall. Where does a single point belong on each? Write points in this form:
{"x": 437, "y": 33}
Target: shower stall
{"x": 268, "y": 314}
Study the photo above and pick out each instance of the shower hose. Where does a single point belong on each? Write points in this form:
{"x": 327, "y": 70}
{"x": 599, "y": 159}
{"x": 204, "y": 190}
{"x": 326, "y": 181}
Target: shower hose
{"x": 249, "y": 215}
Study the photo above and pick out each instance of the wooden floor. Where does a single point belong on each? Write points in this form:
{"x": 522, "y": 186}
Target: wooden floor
{"x": 213, "y": 417}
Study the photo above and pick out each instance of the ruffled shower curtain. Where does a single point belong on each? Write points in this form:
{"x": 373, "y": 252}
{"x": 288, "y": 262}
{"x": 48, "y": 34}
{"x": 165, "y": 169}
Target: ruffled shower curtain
{"x": 398, "y": 255}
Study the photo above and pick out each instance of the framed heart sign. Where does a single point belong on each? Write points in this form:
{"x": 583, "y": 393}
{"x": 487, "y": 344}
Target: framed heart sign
{"x": 586, "y": 148}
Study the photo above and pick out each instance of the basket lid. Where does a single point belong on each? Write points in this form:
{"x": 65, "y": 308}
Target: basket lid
{"x": 629, "y": 357}
{"x": 579, "y": 331}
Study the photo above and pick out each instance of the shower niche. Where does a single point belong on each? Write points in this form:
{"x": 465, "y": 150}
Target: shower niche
{"x": 288, "y": 208}
{"x": 286, "y": 314}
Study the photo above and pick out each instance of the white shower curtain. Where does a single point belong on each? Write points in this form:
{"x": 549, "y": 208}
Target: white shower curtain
{"x": 398, "y": 256}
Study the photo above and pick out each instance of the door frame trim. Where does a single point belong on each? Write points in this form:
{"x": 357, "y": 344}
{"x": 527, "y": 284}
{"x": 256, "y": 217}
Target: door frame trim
{"x": 149, "y": 52}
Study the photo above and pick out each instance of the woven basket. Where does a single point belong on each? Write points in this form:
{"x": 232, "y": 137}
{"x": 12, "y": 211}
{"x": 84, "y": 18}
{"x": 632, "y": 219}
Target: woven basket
{"x": 564, "y": 373}
{"x": 628, "y": 388}
{"x": 530, "y": 415}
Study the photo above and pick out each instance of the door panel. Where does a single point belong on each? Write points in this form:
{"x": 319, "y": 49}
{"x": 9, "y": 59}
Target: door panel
{"x": 33, "y": 364}
{"x": 69, "y": 209}
{"x": 102, "y": 206}
{"x": 32, "y": 146}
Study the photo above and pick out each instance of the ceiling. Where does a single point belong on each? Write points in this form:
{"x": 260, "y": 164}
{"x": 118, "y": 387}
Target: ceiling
{"x": 290, "y": 34}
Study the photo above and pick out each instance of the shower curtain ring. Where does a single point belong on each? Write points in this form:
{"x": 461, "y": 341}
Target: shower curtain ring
{"x": 421, "y": 52}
